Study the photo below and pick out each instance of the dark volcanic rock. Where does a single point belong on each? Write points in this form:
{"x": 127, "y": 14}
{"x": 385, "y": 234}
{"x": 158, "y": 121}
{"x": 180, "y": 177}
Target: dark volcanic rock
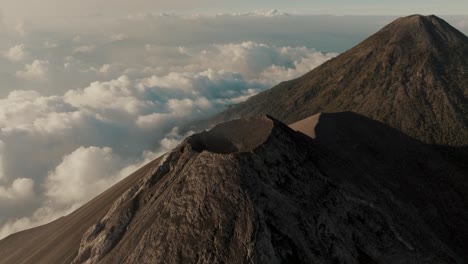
{"x": 360, "y": 192}
{"x": 411, "y": 75}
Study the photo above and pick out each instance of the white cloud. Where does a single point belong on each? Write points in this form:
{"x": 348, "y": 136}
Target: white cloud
{"x": 83, "y": 129}
{"x": 260, "y": 13}
{"x": 41, "y": 216}
{"x": 48, "y": 44}
{"x": 37, "y": 70}
{"x": 98, "y": 118}
{"x": 20, "y": 28}
{"x": 16, "y": 53}
{"x": 80, "y": 176}
{"x": 113, "y": 100}
{"x": 118, "y": 37}
{"x": 23, "y": 109}
{"x": 251, "y": 59}
{"x": 84, "y": 49}
{"x": 105, "y": 68}
{"x": 20, "y": 189}
{"x": 83, "y": 174}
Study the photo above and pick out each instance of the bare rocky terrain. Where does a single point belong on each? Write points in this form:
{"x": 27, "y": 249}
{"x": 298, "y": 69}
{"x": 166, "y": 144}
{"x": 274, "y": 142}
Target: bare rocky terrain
{"x": 362, "y": 187}
{"x": 411, "y": 75}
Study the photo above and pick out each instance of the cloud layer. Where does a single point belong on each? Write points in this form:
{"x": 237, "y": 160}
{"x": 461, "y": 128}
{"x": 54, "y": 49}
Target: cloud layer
{"x": 82, "y": 111}
{"x": 88, "y": 104}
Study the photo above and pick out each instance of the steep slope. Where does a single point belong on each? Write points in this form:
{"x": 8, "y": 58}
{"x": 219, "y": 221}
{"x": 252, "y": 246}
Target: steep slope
{"x": 411, "y": 75}
{"x": 256, "y": 191}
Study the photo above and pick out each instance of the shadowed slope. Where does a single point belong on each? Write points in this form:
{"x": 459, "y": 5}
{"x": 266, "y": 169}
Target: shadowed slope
{"x": 390, "y": 166}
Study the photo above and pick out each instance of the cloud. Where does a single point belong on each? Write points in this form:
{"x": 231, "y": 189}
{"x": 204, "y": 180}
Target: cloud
{"x": 20, "y": 28}
{"x": 118, "y": 37}
{"x": 37, "y": 70}
{"x": 108, "y": 98}
{"x": 41, "y": 216}
{"x": 21, "y": 189}
{"x": 462, "y": 24}
{"x": 119, "y": 92}
{"x": 2, "y": 171}
{"x": 95, "y": 107}
{"x": 257, "y": 59}
{"x": 84, "y": 48}
{"x": 83, "y": 128}
{"x": 48, "y": 44}
{"x": 105, "y": 68}
{"x": 82, "y": 174}
{"x": 260, "y": 13}
{"x": 16, "y": 53}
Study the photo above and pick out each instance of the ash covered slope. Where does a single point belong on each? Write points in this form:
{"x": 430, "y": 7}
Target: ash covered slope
{"x": 256, "y": 191}
{"x": 411, "y": 75}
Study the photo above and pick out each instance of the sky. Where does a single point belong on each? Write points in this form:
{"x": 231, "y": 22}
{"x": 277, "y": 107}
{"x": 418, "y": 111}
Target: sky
{"x": 45, "y": 8}
{"x": 92, "y": 90}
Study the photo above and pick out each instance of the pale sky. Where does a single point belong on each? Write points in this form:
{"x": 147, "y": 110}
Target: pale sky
{"x": 32, "y": 9}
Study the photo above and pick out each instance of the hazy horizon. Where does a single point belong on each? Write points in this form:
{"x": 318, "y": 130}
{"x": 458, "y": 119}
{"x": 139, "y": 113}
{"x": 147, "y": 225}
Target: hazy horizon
{"x": 117, "y": 8}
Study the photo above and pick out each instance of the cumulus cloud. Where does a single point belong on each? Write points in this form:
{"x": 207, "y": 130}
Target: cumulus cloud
{"x": 37, "y": 70}
{"x": 108, "y": 97}
{"x": 253, "y": 59}
{"x": 83, "y": 128}
{"x": 16, "y": 53}
{"x": 20, "y": 189}
{"x": 82, "y": 174}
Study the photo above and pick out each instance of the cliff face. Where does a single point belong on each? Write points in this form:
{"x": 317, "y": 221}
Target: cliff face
{"x": 411, "y": 75}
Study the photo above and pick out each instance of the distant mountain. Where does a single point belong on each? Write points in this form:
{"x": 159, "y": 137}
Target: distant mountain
{"x": 411, "y": 75}
{"x": 256, "y": 191}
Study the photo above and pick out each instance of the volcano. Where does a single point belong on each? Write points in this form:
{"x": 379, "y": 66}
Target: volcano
{"x": 257, "y": 191}
{"x": 411, "y": 75}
